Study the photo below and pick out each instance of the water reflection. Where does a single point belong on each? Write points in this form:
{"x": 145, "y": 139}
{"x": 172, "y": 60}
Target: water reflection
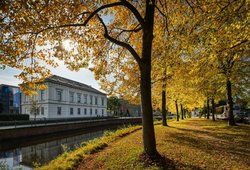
{"x": 25, "y": 157}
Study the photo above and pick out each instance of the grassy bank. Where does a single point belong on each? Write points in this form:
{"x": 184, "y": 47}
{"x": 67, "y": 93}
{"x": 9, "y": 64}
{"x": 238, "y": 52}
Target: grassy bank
{"x": 71, "y": 160}
{"x": 189, "y": 144}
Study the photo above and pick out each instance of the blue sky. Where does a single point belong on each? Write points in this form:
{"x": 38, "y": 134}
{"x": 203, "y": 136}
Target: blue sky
{"x": 84, "y": 76}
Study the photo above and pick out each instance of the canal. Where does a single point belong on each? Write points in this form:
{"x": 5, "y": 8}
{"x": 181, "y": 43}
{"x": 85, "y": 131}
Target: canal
{"x": 23, "y": 153}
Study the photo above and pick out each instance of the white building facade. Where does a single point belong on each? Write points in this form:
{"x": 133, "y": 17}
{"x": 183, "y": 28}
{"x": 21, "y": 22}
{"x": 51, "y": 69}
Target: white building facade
{"x": 65, "y": 98}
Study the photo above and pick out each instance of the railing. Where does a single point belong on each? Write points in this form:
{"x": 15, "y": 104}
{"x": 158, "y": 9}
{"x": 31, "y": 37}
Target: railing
{"x": 46, "y": 122}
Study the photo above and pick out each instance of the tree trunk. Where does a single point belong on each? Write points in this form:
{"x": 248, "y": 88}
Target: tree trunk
{"x": 231, "y": 121}
{"x": 213, "y": 109}
{"x": 163, "y": 96}
{"x": 182, "y": 112}
{"x": 163, "y": 106}
{"x": 208, "y": 109}
{"x": 147, "y": 116}
{"x": 177, "y": 112}
{"x": 145, "y": 82}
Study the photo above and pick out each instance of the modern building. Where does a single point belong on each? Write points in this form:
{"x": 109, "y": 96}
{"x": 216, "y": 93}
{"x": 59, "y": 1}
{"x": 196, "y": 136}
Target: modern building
{"x": 65, "y": 98}
{"x": 10, "y": 99}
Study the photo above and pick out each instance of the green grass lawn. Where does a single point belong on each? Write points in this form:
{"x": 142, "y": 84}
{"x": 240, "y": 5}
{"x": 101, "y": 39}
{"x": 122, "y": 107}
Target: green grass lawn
{"x": 188, "y": 144}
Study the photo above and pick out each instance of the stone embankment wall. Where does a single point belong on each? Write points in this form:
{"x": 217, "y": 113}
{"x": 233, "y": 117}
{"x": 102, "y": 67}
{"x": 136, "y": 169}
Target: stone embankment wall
{"x": 24, "y": 132}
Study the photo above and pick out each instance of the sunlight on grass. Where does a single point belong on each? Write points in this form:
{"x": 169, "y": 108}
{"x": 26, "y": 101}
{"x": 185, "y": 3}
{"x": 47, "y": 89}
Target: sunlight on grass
{"x": 189, "y": 144}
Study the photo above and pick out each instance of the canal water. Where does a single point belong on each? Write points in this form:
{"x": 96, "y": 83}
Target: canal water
{"x": 24, "y": 156}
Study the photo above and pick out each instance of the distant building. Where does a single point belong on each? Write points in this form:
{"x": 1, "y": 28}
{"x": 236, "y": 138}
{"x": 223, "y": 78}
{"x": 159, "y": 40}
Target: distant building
{"x": 10, "y": 99}
{"x": 65, "y": 98}
{"x": 130, "y": 110}
{"x": 236, "y": 110}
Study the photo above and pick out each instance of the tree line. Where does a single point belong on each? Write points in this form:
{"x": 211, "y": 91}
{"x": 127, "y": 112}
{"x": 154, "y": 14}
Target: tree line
{"x": 177, "y": 52}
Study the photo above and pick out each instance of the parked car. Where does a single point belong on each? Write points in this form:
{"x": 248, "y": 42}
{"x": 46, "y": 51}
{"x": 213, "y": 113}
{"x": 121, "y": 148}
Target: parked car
{"x": 242, "y": 117}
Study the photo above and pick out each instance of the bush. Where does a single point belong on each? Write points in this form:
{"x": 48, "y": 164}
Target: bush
{"x": 12, "y": 117}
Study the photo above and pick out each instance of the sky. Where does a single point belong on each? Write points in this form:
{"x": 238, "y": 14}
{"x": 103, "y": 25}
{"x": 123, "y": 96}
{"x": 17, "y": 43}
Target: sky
{"x": 84, "y": 76}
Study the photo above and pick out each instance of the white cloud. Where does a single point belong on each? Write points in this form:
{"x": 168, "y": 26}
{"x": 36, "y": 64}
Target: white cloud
{"x": 7, "y": 76}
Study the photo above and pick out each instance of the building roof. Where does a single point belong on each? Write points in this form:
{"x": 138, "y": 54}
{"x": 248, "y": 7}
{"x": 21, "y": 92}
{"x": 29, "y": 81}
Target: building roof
{"x": 1, "y": 85}
{"x": 70, "y": 83}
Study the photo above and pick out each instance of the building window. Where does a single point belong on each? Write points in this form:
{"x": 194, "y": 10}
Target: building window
{"x": 85, "y": 98}
{"x": 71, "y": 96}
{"x": 59, "y": 95}
{"x": 91, "y": 99}
{"x": 90, "y": 111}
{"x": 11, "y": 103}
{"x": 26, "y": 98}
{"x": 79, "y": 111}
{"x": 85, "y": 111}
{"x": 96, "y": 111}
{"x": 102, "y": 112}
{"x": 42, "y": 94}
{"x": 59, "y": 109}
{"x": 78, "y": 98}
{"x": 102, "y": 101}
{"x": 96, "y": 100}
{"x": 71, "y": 111}
{"x": 42, "y": 110}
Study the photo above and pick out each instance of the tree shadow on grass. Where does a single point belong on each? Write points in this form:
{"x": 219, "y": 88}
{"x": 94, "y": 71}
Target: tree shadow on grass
{"x": 164, "y": 163}
{"x": 212, "y": 142}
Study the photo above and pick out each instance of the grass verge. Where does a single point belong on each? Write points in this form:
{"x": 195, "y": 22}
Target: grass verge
{"x": 189, "y": 144}
{"x": 70, "y": 160}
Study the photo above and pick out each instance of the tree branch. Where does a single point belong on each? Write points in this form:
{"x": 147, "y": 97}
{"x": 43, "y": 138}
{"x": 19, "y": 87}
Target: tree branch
{"x": 166, "y": 18}
{"x": 122, "y": 3}
{"x": 120, "y": 43}
{"x": 124, "y": 30}
{"x": 135, "y": 12}
{"x": 136, "y": 29}
{"x": 236, "y": 45}
{"x": 190, "y": 6}
{"x": 53, "y": 27}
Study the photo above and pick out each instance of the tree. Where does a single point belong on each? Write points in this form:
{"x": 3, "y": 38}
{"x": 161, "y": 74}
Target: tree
{"x": 213, "y": 109}
{"x": 35, "y": 32}
{"x": 34, "y": 110}
{"x": 182, "y": 112}
{"x": 226, "y": 42}
{"x": 113, "y": 104}
{"x": 208, "y": 109}
{"x": 177, "y": 112}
